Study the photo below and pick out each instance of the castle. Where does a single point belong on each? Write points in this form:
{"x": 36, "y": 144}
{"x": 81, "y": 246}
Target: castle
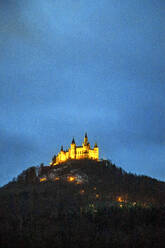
{"x": 77, "y": 152}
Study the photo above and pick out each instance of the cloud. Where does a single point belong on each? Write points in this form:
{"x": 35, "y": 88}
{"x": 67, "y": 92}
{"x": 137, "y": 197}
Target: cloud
{"x": 73, "y": 66}
{"x": 16, "y": 153}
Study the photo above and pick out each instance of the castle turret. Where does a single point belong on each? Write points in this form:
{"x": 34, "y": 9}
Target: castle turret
{"x": 86, "y": 146}
{"x": 85, "y": 140}
{"x": 73, "y": 150}
{"x": 95, "y": 145}
{"x": 96, "y": 151}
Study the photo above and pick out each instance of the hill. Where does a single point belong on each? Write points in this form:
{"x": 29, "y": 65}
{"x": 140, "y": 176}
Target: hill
{"x": 82, "y": 203}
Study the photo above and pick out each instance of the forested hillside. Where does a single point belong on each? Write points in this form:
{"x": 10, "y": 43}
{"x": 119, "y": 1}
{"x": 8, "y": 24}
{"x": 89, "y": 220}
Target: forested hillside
{"x": 82, "y": 204}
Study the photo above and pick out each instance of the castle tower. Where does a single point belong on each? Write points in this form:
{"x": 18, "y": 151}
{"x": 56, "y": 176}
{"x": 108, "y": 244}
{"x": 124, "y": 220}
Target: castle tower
{"x": 96, "y": 151}
{"x": 73, "y": 150}
{"x": 86, "y": 146}
{"x": 85, "y": 140}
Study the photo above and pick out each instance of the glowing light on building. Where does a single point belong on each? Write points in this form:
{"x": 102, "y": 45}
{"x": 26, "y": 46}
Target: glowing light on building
{"x": 56, "y": 179}
{"x": 119, "y": 199}
{"x": 71, "y": 179}
{"x": 43, "y": 179}
{"x": 97, "y": 196}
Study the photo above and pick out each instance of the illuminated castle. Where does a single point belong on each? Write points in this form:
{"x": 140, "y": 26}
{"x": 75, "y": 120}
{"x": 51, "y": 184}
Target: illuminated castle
{"x": 77, "y": 152}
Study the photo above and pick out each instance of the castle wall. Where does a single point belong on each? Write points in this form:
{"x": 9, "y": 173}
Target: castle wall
{"x": 79, "y": 153}
{"x": 94, "y": 153}
{"x": 73, "y": 151}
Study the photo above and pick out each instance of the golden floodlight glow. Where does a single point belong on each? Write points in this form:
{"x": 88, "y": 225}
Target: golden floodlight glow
{"x": 119, "y": 199}
{"x": 71, "y": 179}
{"x": 97, "y": 196}
{"x": 43, "y": 179}
{"x": 56, "y": 179}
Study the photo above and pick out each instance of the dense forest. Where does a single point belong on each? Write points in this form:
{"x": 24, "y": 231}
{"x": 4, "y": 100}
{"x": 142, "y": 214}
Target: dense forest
{"x": 82, "y": 204}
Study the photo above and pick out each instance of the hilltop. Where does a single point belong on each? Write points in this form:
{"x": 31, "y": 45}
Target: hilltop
{"x": 82, "y": 203}
{"x": 100, "y": 180}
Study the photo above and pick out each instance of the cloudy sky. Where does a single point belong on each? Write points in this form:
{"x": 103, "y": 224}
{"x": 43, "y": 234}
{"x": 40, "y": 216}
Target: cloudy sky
{"x": 70, "y": 66}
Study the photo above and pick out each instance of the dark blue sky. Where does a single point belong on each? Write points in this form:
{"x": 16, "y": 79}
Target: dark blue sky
{"x": 70, "y": 66}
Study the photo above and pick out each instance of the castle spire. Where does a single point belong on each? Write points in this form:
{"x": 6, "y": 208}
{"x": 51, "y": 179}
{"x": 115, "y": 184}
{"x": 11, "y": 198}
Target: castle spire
{"x": 73, "y": 141}
{"x": 86, "y": 139}
{"x": 95, "y": 145}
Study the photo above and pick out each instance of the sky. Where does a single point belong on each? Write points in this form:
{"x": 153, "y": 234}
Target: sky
{"x": 73, "y": 66}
